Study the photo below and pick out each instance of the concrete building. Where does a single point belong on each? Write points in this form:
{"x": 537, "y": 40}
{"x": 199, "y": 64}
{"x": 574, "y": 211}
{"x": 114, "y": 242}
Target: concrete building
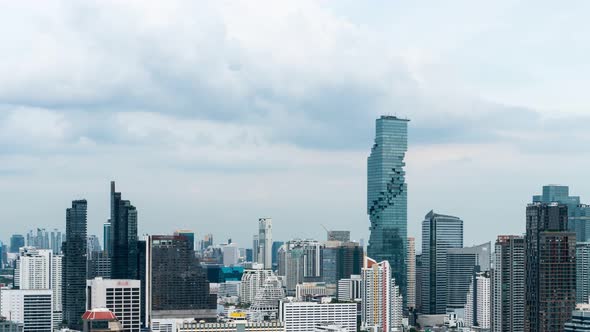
{"x": 382, "y": 305}
{"x": 231, "y": 254}
{"x": 300, "y": 261}
{"x": 583, "y": 272}
{"x": 411, "y": 295}
{"x": 310, "y": 289}
{"x": 478, "y": 302}
{"x": 350, "y": 290}
{"x": 580, "y": 321}
{"x": 306, "y": 316}
{"x": 508, "y": 284}
{"x": 266, "y": 303}
{"x": 235, "y": 326}
{"x": 121, "y": 297}
{"x": 30, "y": 307}
{"x": 9, "y": 326}
{"x": 252, "y": 281}
{"x": 340, "y": 236}
{"x": 264, "y": 255}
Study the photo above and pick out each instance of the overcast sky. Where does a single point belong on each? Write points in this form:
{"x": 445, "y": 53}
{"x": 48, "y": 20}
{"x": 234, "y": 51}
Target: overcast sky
{"x": 211, "y": 114}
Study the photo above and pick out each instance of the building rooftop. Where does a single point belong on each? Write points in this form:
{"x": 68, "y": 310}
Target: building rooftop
{"x": 99, "y": 314}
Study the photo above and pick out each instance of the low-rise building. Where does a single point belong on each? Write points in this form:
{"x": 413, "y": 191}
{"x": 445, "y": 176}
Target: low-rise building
{"x": 307, "y": 316}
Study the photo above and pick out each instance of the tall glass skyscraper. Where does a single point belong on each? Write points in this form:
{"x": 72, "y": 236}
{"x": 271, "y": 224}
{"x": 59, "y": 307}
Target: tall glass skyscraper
{"x": 123, "y": 230}
{"x": 387, "y": 197}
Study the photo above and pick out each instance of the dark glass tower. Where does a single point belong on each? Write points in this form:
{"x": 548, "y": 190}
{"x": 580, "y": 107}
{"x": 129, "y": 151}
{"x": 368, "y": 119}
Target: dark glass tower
{"x": 387, "y": 197}
{"x": 74, "y": 265}
{"x": 16, "y": 241}
{"x": 550, "y": 268}
{"x": 123, "y": 238}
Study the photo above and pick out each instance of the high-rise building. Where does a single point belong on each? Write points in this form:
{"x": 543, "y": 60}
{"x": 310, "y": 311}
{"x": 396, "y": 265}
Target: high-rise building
{"x": 342, "y": 236}
{"x": 340, "y": 260}
{"x": 121, "y": 297}
{"x": 190, "y": 235}
{"x": 266, "y": 302}
{"x": 74, "y": 265}
{"x": 106, "y": 238}
{"x": 419, "y": 282}
{"x": 176, "y": 285}
{"x": 255, "y": 248}
{"x": 508, "y": 284}
{"x": 252, "y": 281}
{"x": 38, "y": 238}
{"x": 93, "y": 245}
{"x": 306, "y": 316}
{"x": 411, "y": 293}
{"x": 349, "y": 289}
{"x": 387, "y": 196}
{"x": 265, "y": 242}
{"x": 17, "y": 241}
{"x": 461, "y": 264}
{"x": 34, "y": 268}
{"x": 56, "y": 241}
{"x": 276, "y": 245}
{"x": 439, "y": 234}
{"x": 30, "y": 307}
{"x": 550, "y": 268}
{"x": 231, "y": 254}
{"x": 382, "y": 304}
{"x": 56, "y": 288}
{"x": 99, "y": 265}
{"x": 477, "y": 305}
{"x": 206, "y": 242}
{"x": 123, "y": 237}
{"x": 583, "y": 272}
{"x": 580, "y": 321}
{"x": 300, "y": 261}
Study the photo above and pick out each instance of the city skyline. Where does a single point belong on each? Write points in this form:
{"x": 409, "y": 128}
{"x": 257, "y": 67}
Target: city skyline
{"x": 220, "y": 103}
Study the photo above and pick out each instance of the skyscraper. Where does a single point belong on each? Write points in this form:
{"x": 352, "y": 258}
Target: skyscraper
{"x": 387, "y": 197}
{"x": 300, "y": 261}
{"x": 583, "y": 272}
{"x": 550, "y": 268}
{"x": 190, "y": 235}
{"x": 123, "y": 237}
{"x": 106, "y": 240}
{"x": 265, "y": 242}
{"x": 462, "y": 263}
{"x": 276, "y": 245}
{"x": 16, "y": 241}
{"x": 439, "y": 234}
{"x": 74, "y": 265}
{"x": 411, "y": 294}
{"x": 176, "y": 285}
{"x": 508, "y": 284}
{"x": 477, "y": 305}
{"x": 382, "y": 305}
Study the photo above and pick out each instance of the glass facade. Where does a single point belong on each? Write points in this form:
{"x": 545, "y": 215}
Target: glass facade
{"x": 387, "y": 197}
{"x": 123, "y": 238}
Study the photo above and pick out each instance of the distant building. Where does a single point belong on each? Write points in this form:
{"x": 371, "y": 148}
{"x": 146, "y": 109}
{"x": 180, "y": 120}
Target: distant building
{"x": 439, "y": 234}
{"x": 419, "y": 282}
{"x": 93, "y": 245}
{"x": 310, "y": 289}
{"x": 16, "y": 242}
{"x": 462, "y": 263}
{"x": 550, "y": 268}
{"x": 74, "y": 265}
{"x": 477, "y": 304}
{"x": 190, "y": 235}
{"x": 266, "y": 302}
{"x": 387, "y": 196}
{"x": 99, "y": 265}
{"x": 342, "y": 236}
{"x": 580, "y": 321}
{"x": 206, "y": 242}
{"x": 508, "y": 284}
{"x": 264, "y": 255}
{"x": 176, "y": 285}
{"x": 306, "y": 316}
{"x": 252, "y": 281}
{"x": 300, "y": 261}
{"x": 242, "y": 326}
{"x": 411, "y": 293}
{"x": 30, "y": 307}
{"x": 121, "y": 297}
{"x": 276, "y": 245}
{"x": 340, "y": 260}
{"x": 583, "y": 272}
{"x": 382, "y": 304}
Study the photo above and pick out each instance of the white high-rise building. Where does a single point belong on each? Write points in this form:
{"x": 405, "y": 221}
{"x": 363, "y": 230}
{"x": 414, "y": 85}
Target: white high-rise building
{"x": 350, "y": 289}
{"x": 411, "y": 273}
{"x": 252, "y": 281}
{"x": 307, "y": 316}
{"x": 56, "y": 288}
{"x": 34, "y": 268}
{"x": 122, "y": 297}
{"x": 30, "y": 307}
{"x": 477, "y": 304}
{"x": 266, "y": 302}
{"x": 231, "y": 254}
{"x": 382, "y": 305}
{"x": 264, "y": 255}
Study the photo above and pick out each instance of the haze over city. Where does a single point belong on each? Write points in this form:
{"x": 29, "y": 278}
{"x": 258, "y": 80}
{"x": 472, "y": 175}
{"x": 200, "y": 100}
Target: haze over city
{"x": 210, "y": 115}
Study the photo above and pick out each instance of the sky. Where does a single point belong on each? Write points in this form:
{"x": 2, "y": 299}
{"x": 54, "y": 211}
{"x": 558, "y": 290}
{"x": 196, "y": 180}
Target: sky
{"x": 211, "y": 114}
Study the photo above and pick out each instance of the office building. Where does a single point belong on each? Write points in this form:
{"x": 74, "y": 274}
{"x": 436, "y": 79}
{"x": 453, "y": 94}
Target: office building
{"x": 439, "y": 234}
{"x": 34, "y": 268}
{"x": 387, "y": 196}
{"x": 255, "y": 248}
{"x": 106, "y": 240}
{"x": 419, "y": 282}
{"x": 30, "y": 307}
{"x": 17, "y": 241}
{"x": 276, "y": 245}
{"x": 462, "y": 263}
{"x": 478, "y": 302}
{"x": 121, "y": 297}
{"x": 206, "y": 242}
{"x": 124, "y": 257}
{"x": 578, "y": 214}
{"x": 550, "y": 268}
{"x": 56, "y": 289}
{"x": 264, "y": 254}
{"x": 252, "y": 281}
{"x": 99, "y": 265}
{"x": 382, "y": 304}
{"x": 93, "y": 245}
{"x": 508, "y": 298}
{"x": 38, "y": 238}
{"x": 310, "y": 290}
{"x": 74, "y": 265}
{"x": 176, "y": 285}
{"x": 190, "y": 235}
{"x": 300, "y": 261}
{"x": 583, "y": 272}
{"x": 411, "y": 293}
{"x": 350, "y": 289}
{"x": 306, "y": 316}
{"x": 231, "y": 254}
{"x": 9, "y": 326}
{"x": 342, "y": 236}
{"x": 340, "y": 260}
{"x": 580, "y": 321}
